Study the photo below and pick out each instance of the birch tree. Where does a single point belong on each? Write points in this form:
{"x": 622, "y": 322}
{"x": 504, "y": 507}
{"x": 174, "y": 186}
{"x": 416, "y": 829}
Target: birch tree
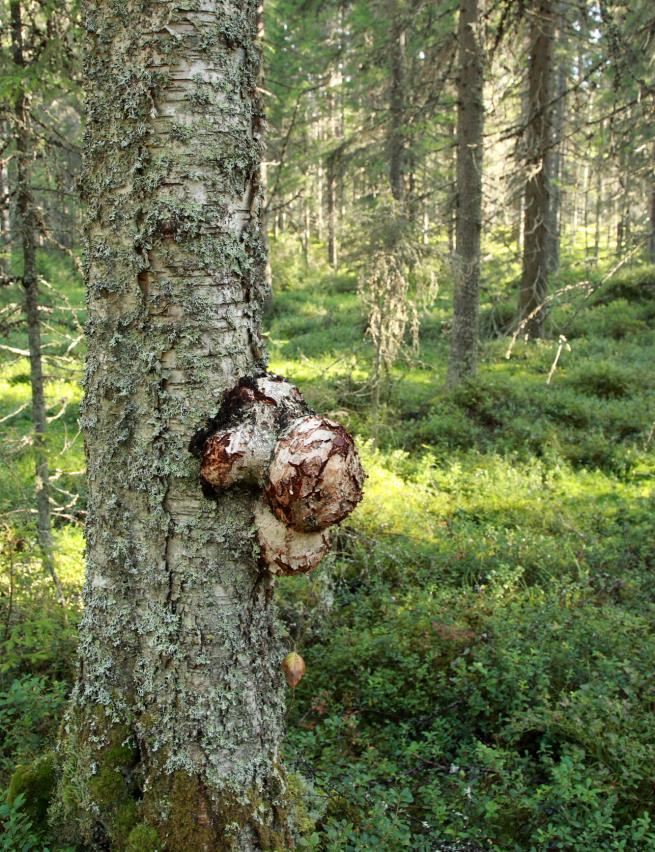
{"x": 172, "y": 738}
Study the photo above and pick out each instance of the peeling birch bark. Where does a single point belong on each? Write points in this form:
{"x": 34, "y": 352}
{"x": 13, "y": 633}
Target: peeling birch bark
{"x": 284, "y": 550}
{"x": 238, "y": 445}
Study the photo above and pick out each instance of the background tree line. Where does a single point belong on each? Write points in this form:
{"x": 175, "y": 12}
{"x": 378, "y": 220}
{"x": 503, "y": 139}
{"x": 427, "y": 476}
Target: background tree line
{"x": 526, "y": 124}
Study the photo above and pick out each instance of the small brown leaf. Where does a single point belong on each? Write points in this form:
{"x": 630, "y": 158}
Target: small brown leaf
{"x": 293, "y": 666}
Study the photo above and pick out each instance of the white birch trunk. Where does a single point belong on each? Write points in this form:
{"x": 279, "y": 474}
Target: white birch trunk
{"x": 173, "y": 733}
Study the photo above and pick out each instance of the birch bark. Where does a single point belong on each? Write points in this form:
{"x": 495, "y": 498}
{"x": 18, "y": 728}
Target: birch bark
{"x": 174, "y": 727}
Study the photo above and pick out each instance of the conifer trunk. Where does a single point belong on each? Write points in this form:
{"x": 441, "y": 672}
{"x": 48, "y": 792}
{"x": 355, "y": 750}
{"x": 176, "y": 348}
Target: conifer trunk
{"x": 331, "y": 192}
{"x": 557, "y": 153}
{"x": 534, "y": 279}
{"x": 396, "y": 140}
{"x": 466, "y": 260}
{"x": 5, "y": 226}
{"x": 26, "y": 231}
{"x": 651, "y": 240}
{"x": 173, "y": 732}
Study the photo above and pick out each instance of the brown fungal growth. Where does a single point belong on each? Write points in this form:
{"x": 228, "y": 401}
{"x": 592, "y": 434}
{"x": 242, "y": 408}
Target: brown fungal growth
{"x": 283, "y": 550}
{"x": 315, "y": 478}
{"x": 266, "y": 438}
{"x": 238, "y": 445}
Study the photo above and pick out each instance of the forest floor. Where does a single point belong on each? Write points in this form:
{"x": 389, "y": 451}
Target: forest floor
{"x": 480, "y": 646}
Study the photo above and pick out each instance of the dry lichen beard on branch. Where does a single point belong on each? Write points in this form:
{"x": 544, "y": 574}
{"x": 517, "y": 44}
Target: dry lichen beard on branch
{"x": 304, "y": 469}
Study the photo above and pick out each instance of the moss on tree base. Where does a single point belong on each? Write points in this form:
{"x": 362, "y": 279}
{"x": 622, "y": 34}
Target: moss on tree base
{"x": 110, "y": 796}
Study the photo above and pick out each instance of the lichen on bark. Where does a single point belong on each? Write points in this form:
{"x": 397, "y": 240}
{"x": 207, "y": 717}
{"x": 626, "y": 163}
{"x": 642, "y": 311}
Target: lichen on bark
{"x": 175, "y": 723}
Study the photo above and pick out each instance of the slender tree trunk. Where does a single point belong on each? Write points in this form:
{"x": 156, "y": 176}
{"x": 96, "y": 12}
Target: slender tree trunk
{"x": 318, "y": 183}
{"x": 331, "y": 192}
{"x": 396, "y": 140}
{"x": 557, "y": 164}
{"x": 26, "y": 227}
{"x": 425, "y": 203}
{"x": 586, "y": 181}
{"x": 263, "y": 170}
{"x": 651, "y": 242}
{"x": 598, "y": 208}
{"x": 268, "y": 271}
{"x": 305, "y": 233}
{"x": 520, "y": 237}
{"x": 173, "y": 733}
{"x": 534, "y": 279}
{"x": 466, "y": 260}
{"x": 451, "y": 207}
{"x": 412, "y": 192}
{"x": 573, "y": 181}
{"x": 5, "y": 225}
{"x": 611, "y": 214}
{"x": 623, "y": 230}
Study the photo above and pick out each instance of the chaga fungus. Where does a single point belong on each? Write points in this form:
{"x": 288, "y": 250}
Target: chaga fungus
{"x": 305, "y": 468}
{"x": 283, "y": 550}
{"x": 315, "y": 479}
{"x": 238, "y": 445}
{"x": 240, "y": 455}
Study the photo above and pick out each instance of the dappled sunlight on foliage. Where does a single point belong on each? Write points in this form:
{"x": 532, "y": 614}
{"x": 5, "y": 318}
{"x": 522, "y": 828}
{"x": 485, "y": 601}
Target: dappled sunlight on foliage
{"x": 479, "y": 667}
{"x": 479, "y": 645}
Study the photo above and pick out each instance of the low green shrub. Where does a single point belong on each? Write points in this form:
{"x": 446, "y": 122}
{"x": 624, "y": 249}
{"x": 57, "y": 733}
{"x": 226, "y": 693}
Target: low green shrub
{"x": 16, "y": 832}
{"x": 604, "y": 379}
{"x": 480, "y": 643}
{"x": 617, "y": 320}
{"x": 634, "y": 284}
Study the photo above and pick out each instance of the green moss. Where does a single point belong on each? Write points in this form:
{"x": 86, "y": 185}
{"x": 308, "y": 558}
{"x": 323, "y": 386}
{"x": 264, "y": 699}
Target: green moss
{"x": 197, "y": 819}
{"x": 36, "y": 781}
{"x": 143, "y": 837}
{"x": 114, "y": 788}
{"x": 127, "y": 815}
{"x": 107, "y": 786}
{"x": 110, "y": 788}
{"x": 190, "y": 821}
{"x": 303, "y": 821}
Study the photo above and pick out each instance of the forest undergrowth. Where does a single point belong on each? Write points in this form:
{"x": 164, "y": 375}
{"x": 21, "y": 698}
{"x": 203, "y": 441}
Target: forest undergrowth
{"x": 480, "y": 644}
